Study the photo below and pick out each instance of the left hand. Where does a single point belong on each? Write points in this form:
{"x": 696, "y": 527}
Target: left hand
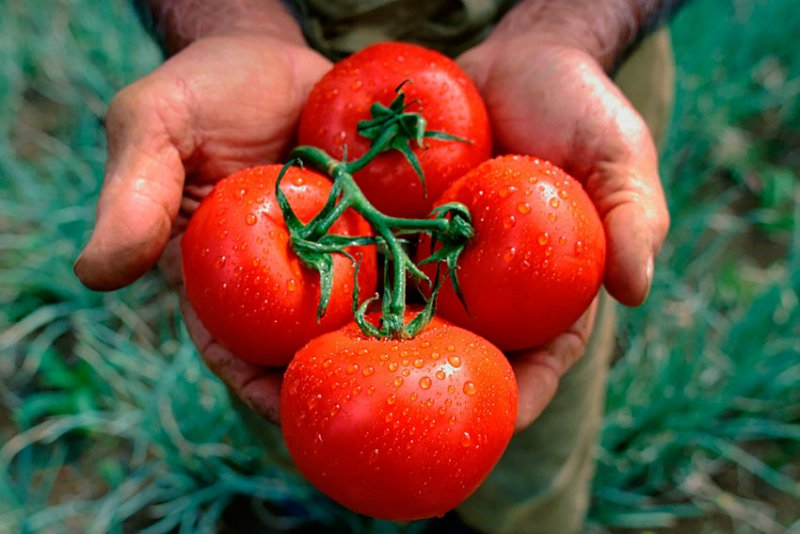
{"x": 555, "y": 101}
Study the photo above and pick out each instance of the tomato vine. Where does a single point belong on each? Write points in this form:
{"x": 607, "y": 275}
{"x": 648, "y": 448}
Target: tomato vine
{"x": 391, "y": 128}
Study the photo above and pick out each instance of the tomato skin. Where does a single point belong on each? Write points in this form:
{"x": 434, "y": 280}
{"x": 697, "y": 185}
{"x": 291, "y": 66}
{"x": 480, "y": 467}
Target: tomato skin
{"x": 398, "y": 429}
{"x": 248, "y": 288}
{"x": 444, "y": 95}
{"x": 538, "y": 256}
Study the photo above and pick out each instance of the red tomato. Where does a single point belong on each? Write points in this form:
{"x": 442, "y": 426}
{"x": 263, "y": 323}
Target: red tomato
{"x": 437, "y": 88}
{"x": 398, "y": 429}
{"x": 246, "y": 285}
{"x": 538, "y": 256}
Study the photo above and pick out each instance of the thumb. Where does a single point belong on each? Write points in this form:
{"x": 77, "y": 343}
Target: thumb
{"x": 142, "y": 187}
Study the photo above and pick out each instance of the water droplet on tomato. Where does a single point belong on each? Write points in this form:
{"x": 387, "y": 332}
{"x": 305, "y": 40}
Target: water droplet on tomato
{"x": 251, "y": 219}
{"x": 313, "y": 401}
{"x": 440, "y": 374}
{"x": 563, "y": 193}
{"x": 327, "y": 363}
{"x": 291, "y": 285}
{"x": 394, "y": 366}
{"x": 373, "y": 456}
{"x": 466, "y": 440}
{"x": 220, "y": 262}
{"x": 544, "y": 238}
{"x": 562, "y": 240}
{"x": 242, "y": 192}
{"x": 578, "y": 247}
{"x": 524, "y": 207}
{"x": 508, "y": 254}
{"x": 469, "y": 388}
{"x": 451, "y": 389}
{"x": 548, "y": 251}
{"x": 425, "y": 382}
{"x": 357, "y": 85}
{"x": 454, "y": 361}
{"x": 352, "y": 368}
{"x": 414, "y": 396}
{"x": 509, "y": 221}
{"x": 554, "y": 202}
{"x": 418, "y": 363}
{"x": 398, "y": 381}
{"x": 391, "y": 399}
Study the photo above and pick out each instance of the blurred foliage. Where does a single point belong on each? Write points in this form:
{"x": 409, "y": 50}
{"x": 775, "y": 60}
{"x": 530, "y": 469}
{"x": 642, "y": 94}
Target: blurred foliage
{"x": 108, "y": 420}
{"x": 704, "y": 406}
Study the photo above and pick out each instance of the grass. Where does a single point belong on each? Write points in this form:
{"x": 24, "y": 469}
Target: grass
{"x": 109, "y": 422}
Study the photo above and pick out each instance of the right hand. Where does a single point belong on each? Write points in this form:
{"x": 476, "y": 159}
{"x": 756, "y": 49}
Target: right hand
{"x": 223, "y": 103}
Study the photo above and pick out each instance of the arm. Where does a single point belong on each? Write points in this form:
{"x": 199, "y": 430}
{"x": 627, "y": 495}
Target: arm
{"x": 607, "y": 29}
{"x": 177, "y": 23}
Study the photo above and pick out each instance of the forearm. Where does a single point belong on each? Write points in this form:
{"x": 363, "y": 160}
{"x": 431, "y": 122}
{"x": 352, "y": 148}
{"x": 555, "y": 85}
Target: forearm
{"x": 607, "y": 29}
{"x": 177, "y": 23}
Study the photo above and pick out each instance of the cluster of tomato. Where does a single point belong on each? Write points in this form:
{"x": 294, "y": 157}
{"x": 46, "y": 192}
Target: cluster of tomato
{"x": 395, "y": 427}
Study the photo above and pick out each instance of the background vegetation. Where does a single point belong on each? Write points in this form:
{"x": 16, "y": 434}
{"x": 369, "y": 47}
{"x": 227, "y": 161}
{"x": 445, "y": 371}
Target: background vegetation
{"x": 109, "y": 421}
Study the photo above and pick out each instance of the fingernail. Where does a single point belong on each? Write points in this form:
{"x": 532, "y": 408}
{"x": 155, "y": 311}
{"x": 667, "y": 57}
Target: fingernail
{"x": 649, "y": 273}
{"x": 77, "y": 265}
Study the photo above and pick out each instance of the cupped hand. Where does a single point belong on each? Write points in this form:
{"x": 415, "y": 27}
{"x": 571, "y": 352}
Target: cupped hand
{"x": 223, "y": 103}
{"x": 556, "y": 102}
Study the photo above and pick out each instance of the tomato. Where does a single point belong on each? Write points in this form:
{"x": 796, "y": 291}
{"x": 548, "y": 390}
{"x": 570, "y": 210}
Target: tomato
{"x": 537, "y": 258}
{"x": 398, "y": 429}
{"x": 246, "y": 285}
{"x": 437, "y": 88}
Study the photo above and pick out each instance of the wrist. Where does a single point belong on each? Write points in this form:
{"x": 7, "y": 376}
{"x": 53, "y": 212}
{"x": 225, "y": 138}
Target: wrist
{"x": 605, "y": 29}
{"x": 178, "y": 23}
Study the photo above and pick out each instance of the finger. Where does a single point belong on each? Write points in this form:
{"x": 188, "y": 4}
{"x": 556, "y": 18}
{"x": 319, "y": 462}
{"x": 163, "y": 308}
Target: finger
{"x": 538, "y": 371}
{"x": 141, "y": 192}
{"x": 258, "y": 387}
{"x": 170, "y": 261}
{"x": 631, "y": 202}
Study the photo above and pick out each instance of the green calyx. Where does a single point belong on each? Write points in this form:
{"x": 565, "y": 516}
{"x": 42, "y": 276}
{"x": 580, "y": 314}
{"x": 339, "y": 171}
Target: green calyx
{"x": 391, "y": 128}
{"x": 396, "y": 128}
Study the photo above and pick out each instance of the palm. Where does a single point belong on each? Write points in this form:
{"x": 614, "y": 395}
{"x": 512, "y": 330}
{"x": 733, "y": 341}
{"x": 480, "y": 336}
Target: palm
{"x": 221, "y": 104}
{"x": 244, "y": 96}
{"x": 557, "y": 103}
{"x": 243, "y": 116}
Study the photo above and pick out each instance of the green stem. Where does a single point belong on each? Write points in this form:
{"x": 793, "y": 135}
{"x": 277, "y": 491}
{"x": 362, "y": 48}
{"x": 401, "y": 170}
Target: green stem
{"x": 351, "y": 197}
{"x": 378, "y": 145}
{"x": 390, "y": 128}
{"x": 318, "y": 227}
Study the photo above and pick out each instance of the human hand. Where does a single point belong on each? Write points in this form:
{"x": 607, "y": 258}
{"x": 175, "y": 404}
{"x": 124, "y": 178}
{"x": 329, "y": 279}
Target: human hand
{"x": 223, "y": 103}
{"x": 553, "y": 100}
